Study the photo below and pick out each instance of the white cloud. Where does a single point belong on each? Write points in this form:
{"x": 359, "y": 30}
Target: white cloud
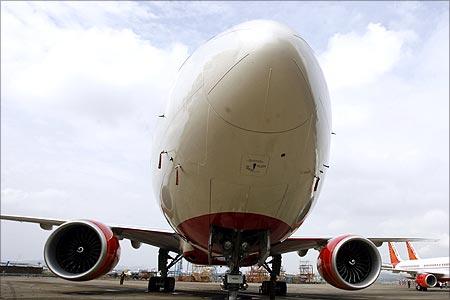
{"x": 79, "y": 102}
{"x": 16, "y": 200}
{"x": 389, "y": 159}
{"x": 101, "y": 73}
{"x": 353, "y": 59}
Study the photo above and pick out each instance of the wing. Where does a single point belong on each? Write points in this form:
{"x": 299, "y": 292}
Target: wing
{"x": 304, "y": 244}
{"x": 389, "y": 267}
{"x": 165, "y": 240}
{"x": 46, "y": 224}
{"x": 161, "y": 239}
{"x": 379, "y": 241}
{"x": 298, "y": 244}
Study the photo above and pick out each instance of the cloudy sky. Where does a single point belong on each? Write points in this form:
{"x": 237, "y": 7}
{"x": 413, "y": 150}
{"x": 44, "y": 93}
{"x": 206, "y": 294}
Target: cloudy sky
{"x": 82, "y": 85}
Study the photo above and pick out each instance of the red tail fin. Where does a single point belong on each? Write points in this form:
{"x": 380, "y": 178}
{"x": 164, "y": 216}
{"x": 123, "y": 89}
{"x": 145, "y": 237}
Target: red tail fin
{"x": 411, "y": 251}
{"x": 393, "y": 254}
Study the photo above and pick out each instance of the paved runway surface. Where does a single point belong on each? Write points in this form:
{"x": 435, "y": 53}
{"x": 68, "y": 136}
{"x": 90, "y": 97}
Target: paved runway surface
{"x": 54, "y": 288}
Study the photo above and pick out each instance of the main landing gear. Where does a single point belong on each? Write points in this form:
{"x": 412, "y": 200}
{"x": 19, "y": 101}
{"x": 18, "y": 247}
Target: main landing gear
{"x": 421, "y": 288}
{"x": 273, "y": 287}
{"x": 155, "y": 283}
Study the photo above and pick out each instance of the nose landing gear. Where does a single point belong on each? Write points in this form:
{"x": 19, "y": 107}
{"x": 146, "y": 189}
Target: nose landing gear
{"x": 235, "y": 246}
{"x": 233, "y": 282}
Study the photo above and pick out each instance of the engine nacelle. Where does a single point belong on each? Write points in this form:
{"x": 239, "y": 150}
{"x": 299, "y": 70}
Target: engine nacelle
{"x": 426, "y": 280}
{"x": 81, "y": 250}
{"x": 349, "y": 262}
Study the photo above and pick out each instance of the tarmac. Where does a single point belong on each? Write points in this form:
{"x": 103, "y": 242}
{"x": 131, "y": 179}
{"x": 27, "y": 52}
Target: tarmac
{"x": 19, "y": 287}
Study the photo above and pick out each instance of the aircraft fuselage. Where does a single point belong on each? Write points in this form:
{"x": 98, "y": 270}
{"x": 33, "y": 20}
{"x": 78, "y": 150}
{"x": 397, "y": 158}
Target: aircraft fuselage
{"x": 245, "y": 139}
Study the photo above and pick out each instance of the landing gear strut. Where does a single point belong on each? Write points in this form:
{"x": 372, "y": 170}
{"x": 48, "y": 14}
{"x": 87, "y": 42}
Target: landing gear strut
{"x": 155, "y": 283}
{"x": 421, "y": 288}
{"x": 234, "y": 245}
{"x": 233, "y": 282}
{"x": 273, "y": 287}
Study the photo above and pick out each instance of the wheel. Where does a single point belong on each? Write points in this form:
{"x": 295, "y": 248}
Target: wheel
{"x": 281, "y": 288}
{"x": 232, "y": 295}
{"x": 421, "y": 288}
{"x": 169, "y": 284}
{"x": 265, "y": 287}
{"x": 153, "y": 284}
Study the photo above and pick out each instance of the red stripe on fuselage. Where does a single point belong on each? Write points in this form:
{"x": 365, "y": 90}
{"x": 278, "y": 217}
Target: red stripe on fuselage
{"x": 197, "y": 229}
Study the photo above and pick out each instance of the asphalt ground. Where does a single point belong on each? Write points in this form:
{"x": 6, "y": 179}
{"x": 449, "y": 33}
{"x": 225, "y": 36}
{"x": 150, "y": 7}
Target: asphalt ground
{"x": 16, "y": 287}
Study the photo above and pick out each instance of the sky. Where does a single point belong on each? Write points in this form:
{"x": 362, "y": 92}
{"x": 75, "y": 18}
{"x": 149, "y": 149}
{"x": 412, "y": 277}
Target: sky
{"x": 82, "y": 84}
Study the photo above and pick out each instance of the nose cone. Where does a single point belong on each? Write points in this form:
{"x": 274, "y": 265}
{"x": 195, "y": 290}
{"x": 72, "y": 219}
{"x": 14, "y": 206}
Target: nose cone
{"x": 265, "y": 89}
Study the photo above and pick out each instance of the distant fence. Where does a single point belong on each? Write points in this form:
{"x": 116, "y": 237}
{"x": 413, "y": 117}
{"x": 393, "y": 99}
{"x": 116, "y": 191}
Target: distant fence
{"x": 20, "y": 270}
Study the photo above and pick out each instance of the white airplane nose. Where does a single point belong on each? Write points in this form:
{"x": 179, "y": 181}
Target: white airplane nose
{"x": 265, "y": 90}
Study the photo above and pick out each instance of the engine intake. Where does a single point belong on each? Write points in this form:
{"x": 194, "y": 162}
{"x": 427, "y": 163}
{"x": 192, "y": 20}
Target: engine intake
{"x": 81, "y": 250}
{"x": 349, "y": 262}
{"x": 426, "y": 280}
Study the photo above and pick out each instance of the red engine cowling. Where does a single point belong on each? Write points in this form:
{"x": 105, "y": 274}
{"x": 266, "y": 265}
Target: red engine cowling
{"x": 81, "y": 250}
{"x": 349, "y": 262}
{"x": 426, "y": 280}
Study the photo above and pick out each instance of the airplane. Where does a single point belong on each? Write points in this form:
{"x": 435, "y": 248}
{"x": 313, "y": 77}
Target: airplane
{"x": 427, "y": 272}
{"x": 240, "y": 157}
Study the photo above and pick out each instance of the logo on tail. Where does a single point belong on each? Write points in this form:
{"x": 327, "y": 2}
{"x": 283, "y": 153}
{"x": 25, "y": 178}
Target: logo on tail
{"x": 393, "y": 254}
{"x": 412, "y": 255}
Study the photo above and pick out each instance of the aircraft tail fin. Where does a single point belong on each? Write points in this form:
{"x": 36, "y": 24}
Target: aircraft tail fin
{"x": 393, "y": 254}
{"x": 412, "y": 254}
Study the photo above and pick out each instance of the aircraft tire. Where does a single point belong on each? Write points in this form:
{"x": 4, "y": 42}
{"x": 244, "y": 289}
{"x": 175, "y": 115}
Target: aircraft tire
{"x": 169, "y": 284}
{"x": 152, "y": 284}
{"x": 281, "y": 288}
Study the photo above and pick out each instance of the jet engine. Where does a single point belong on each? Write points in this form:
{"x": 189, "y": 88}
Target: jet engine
{"x": 426, "y": 280}
{"x": 349, "y": 262}
{"x": 81, "y": 250}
